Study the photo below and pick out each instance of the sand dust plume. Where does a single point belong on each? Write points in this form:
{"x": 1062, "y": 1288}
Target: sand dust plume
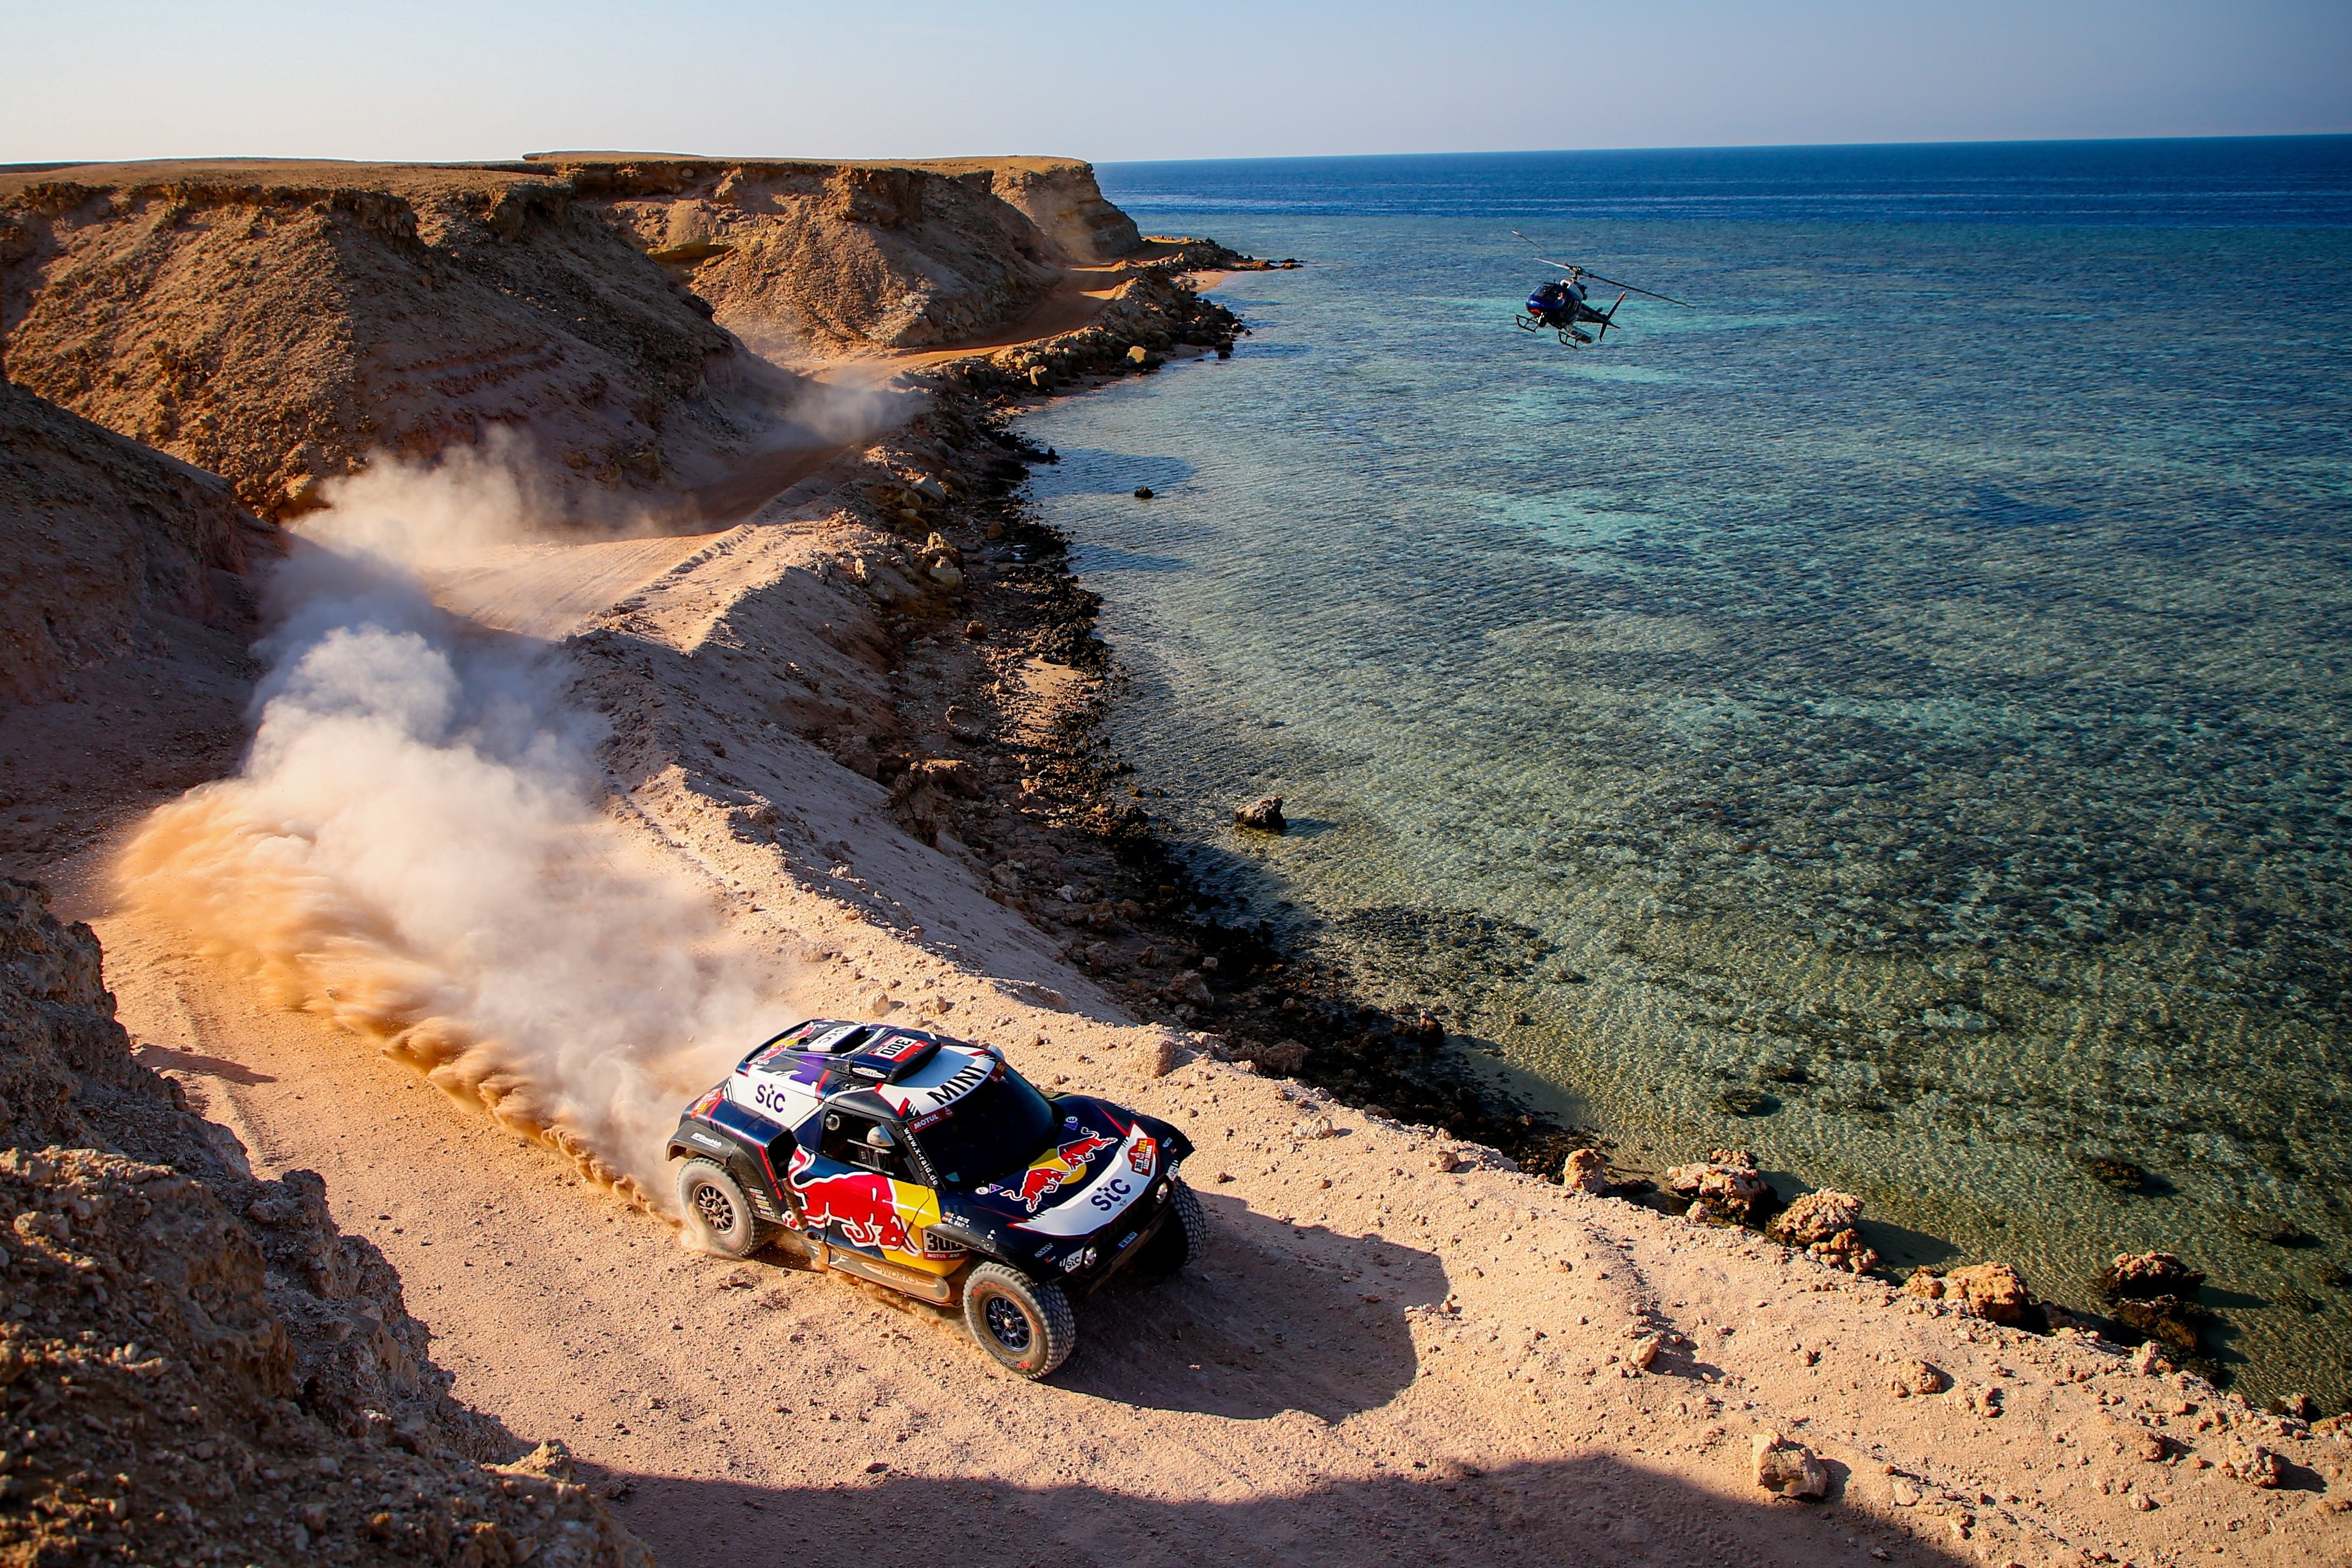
{"x": 413, "y": 846}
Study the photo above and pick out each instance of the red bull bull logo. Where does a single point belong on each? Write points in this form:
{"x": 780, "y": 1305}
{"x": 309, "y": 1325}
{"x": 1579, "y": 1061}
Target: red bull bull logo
{"x": 1045, "y": 1178}
{"x": 862, "y": 1207}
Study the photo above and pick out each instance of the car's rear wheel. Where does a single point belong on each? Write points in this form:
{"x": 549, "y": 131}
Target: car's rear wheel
{"x": 719, "y": 1215}
{"x": 1183, "y": 1238}
{"x": 1027, "y": 1324}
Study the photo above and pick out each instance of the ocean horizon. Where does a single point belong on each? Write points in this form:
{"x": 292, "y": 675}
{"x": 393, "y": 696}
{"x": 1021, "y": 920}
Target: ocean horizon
{"x": 1891, "y": 716}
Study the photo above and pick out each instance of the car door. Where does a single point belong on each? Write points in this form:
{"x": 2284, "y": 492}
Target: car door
{"x": 864, "y": 1193}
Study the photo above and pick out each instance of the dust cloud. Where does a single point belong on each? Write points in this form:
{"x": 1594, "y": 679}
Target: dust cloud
{"x": 414, "y": 847}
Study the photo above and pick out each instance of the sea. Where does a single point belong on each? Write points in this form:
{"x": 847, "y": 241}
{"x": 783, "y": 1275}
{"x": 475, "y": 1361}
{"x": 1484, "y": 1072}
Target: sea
{"x": 1889, "y": 712}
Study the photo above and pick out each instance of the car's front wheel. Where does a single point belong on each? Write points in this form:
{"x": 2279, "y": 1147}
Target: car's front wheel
{"x": 719, "y": 1216}
{"x": 1184, "y": 1236}
{"x": 1027, "y": 1324}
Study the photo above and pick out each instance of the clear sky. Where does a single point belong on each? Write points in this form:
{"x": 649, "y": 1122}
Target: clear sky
{"x": 494, "y": 78}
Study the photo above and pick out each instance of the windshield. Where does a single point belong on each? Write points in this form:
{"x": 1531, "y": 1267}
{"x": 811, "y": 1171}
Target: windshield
{"x": 987, "y": 1132}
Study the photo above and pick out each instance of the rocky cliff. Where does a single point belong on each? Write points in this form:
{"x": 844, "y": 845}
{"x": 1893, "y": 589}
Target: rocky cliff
{"x": 193, "y": 1361}
{"x": 277, "y": 322}
{"x": 101, "y": 541}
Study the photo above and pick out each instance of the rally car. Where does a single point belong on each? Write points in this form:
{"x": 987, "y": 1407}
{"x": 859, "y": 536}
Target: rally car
{"x": 929, "y": 1165}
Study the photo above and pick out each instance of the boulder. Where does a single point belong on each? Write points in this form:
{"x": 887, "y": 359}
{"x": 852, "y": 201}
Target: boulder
{"x": 1815, "y": 1217}
{"x": 2150, "y": 1361}
{"x": 1727, "y": 1182}
{"x": 2254, "y": 1465}
{"x": 1915, "y": 1377}
{"x": 1786, "y": 1467}
{"x": 1264, "y": 815}
{"x": 2144, "y": 1275}
{"x": 1587, "y": 1170}
{"x": 1846, "y": 1250}
{"x": 1993, "y": 1291}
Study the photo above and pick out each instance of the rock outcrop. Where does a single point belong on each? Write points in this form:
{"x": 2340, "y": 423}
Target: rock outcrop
{"x": 1993, "y": 1291}
{"x": 2155, "y": 1294}
{"x": 101, "y": 540}
{"x": 1060, "y": 196}
{"x": 1823, "y": 1224}
{"x": 195, "y": 1362}
{"x": 1725, "y": 1186}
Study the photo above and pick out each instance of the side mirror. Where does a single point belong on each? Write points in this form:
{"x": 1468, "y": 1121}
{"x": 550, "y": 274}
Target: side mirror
{"x": 879, "y": 1137}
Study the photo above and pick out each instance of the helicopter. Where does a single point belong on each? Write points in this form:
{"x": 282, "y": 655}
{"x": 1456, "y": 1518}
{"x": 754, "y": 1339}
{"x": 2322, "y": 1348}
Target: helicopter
{"x": 1561, "y": 305}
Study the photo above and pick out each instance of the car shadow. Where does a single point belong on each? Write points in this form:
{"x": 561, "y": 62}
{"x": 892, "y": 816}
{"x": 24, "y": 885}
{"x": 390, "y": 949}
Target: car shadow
{"x": 1541, "y": 1514}
{"x": 1246, "y": 1334}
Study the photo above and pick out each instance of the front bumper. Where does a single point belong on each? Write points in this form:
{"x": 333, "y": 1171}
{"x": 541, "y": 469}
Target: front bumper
{"x": 1094, "y": 1260}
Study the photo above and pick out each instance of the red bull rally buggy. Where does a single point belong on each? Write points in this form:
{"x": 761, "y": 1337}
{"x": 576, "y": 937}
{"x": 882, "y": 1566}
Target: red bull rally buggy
{"x": 930, "y": 1167}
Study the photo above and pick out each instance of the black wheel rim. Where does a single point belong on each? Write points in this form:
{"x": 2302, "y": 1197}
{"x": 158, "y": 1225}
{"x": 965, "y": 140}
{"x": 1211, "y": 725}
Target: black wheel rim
{"x": 712, "y": 1206}
{"x": 1008, "y": 1323}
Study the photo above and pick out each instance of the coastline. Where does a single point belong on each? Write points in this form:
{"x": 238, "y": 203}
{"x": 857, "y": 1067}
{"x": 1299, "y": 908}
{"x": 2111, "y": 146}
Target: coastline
{"x": 1402, "y": 1334}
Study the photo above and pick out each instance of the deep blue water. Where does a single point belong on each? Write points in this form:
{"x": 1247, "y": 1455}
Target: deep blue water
{"x": 1913, "y": 686}
{"x": 2230, "y": 182}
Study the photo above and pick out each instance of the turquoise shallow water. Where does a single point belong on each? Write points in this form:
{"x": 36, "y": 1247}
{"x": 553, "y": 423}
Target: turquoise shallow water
{"x": 1912, "y": 687}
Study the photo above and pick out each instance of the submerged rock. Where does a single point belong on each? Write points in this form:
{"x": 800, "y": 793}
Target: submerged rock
{"x": 2121, "y": 1175}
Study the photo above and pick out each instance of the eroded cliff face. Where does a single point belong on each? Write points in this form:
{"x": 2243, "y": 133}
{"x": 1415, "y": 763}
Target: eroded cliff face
{"x": 798, "y": 258}
{"x": 194, "y": 1361}
{"x": 1060, "y": 196}
{"x": 278, "y": 324}
{"x": 275, "y": 323}
{"x": 104, "y": 542}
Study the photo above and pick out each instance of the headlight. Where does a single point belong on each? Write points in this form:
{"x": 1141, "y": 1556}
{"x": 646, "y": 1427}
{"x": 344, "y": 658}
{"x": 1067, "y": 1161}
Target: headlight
{"x": 1163, "y": 1192}
{"x": 1082, "y": 1259}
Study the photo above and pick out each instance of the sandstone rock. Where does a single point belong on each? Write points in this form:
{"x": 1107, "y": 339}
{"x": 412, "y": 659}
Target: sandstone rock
{"x": 1815, "y": 1216}
{"x": 227, "y": 1316}
{"x": 1846, "y": 1250}
{"x": 2142, "y": 1276}
{"x": 1993, "y": 1291}
{"x": 1587, "y": 1170}
{"x": 1726, "y": 1182}
{"x": 2150, "y": 1361}
{"x": 1786, "y": 1467}
{"x": 2254, "y": 1465}
{"x": 1264, "y": 815}
{"x": 1644, "y": 1353}
{"x": 1286, "y": 1058}
{"x": 1909, "y": 1378}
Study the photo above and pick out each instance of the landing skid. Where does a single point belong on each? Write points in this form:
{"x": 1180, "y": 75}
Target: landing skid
{"x": 1568, "y": 336}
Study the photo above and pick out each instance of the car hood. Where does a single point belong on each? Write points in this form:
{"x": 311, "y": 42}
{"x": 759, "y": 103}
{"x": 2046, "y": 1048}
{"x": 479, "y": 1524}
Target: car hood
{"x": 1101, "y": 1161}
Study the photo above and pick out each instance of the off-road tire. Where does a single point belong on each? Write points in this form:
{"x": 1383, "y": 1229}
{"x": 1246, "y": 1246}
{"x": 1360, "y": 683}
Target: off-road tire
{"x": 719, "y": 1218}
{"x": 1027, "y": 1324}
{"x": 1184, "y": 1236}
